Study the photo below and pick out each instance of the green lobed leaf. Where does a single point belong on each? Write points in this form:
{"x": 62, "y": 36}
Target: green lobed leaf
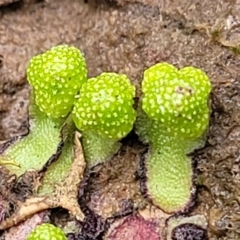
{"x": 35, "y": 149}
{"x": 169, "y": 178}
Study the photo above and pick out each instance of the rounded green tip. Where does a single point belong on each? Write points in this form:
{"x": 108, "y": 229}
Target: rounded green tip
{"x": 47, "y": 231}
{"x": 177, "y": 98}
{"x": 105, "y": 105}
{"x": 56, "y": 77}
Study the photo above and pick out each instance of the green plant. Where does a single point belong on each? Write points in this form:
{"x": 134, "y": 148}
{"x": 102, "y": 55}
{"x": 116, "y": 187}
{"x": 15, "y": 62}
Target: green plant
{"x": 47, "y": 151}
{"x": 33, "y": 150}
{"x": 104, "y": 114}
{"x": 173, "y": 118}
{"x": 47, "y": 231}
{"x": 56, "y": 77}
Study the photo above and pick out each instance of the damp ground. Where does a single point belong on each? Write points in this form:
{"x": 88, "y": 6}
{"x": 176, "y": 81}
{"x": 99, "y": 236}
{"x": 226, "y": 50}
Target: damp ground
{"x": 127, "y": 36}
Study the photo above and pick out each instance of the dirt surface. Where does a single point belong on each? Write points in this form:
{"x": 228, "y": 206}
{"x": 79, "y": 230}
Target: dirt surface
{"x": 127, "y": 37}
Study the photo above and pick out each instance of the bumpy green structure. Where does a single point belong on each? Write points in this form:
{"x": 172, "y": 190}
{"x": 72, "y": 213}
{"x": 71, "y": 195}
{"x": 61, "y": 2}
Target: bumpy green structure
{"x": 104, "y": 113}
{"x": 173, "y": 118}
{"x": 56, "y": 77}
{"x": 47, "y": 231}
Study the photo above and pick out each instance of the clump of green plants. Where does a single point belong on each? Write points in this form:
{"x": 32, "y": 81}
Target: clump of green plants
{"x": 173, "y": 117}
{"x": 102, "y": 110}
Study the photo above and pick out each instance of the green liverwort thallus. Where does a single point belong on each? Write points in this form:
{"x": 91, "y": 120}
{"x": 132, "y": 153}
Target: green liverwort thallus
{"x": 173, "y": 118}
{"x": 104, "y": 113}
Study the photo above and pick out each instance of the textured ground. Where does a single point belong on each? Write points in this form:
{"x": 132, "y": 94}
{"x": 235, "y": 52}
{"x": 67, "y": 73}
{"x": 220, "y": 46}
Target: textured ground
{"x": 127, "y": 36}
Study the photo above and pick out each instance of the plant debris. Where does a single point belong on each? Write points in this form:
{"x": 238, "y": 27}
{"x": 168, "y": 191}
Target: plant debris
{"x": 65, "y": 194}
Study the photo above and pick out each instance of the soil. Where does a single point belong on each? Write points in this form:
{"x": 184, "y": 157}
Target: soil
{"x": 127, "y": 36}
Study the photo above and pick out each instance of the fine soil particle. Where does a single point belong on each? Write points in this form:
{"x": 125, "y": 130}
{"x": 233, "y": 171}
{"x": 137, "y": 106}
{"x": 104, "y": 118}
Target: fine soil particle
{"x": 127, "y": 36}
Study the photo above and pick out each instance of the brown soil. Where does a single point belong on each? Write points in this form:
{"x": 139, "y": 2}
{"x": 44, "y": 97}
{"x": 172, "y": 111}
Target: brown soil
{"x": 128, "y": 36}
